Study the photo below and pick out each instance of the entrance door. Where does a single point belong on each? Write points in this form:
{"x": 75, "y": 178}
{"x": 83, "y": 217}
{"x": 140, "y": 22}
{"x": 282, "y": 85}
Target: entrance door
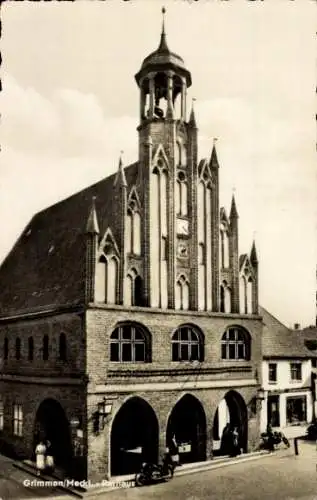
{"x": 273, "y": 411}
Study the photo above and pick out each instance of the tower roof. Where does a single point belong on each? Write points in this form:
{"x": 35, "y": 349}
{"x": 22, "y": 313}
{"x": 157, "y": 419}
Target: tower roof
{"x": 214, "y": 159}
{"x": 233, "y": 211}
{"x": 162, "y": 59}
{"x": 253, "y": 254}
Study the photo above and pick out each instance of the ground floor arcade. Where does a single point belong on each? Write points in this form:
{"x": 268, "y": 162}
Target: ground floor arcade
{"x": 139, "y": 427}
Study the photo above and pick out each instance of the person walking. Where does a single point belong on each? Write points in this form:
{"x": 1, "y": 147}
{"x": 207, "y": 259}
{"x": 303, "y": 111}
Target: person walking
{"x": 49, "y": 462}
{"x": 235, "y": 442}
{"x": 40, "y": 452}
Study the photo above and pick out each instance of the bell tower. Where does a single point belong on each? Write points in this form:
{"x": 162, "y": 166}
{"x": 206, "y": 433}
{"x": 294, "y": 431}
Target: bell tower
{"x": 168, "y": 175}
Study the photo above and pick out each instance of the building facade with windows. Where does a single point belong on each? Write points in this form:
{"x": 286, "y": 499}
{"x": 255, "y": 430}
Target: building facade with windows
{"x": 286, "y": 376}
{"x": 128, "y": 318}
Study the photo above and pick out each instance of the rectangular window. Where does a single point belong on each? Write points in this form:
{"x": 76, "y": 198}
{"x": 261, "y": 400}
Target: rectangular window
{"x": 272, "y": 372}
{"x": 17, "y": 420}
{"x": 296, "y": 410}
{"x": 1, "y": 415}
{"x": 296, "y": 372}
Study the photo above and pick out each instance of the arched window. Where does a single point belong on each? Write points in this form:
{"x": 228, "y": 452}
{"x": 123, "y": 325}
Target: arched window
{"x": 6, "y": 348}
{"x": 181, "y": 194}
{"x": 187, "y": 344}
{"x": 236, "y": 344}
{"x": 136, "y": 233}
{"x": 130, "y": 343}
{"x": 45, "y": 347}
{"x": 30, "y": 348}
{"x": 129, "y": 228}
{"x": 182, "y": 294}
{"x": 111, "y": 278}
{"x": 134, "y": 289}
{"x": 224, "y": 247}
{"x": 225, "y": 298}
{"x": 62, "y": 347}
{"x": 107, "y": 279}
{"x": 17, "y": 348}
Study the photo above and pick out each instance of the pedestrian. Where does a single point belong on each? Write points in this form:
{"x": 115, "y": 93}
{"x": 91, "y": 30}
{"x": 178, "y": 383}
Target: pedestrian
{"x": 173, "y": 450}
{"x": 235, "y": 442}
{"x": 225, "y": 440}
{"x": 49, "y": 462}
{"x": 40, "y": 452}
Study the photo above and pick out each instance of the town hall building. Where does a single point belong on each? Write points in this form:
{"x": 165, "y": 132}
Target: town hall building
{"x": 127, "y": 316}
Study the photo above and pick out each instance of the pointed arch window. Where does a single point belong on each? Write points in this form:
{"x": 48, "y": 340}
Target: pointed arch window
{"x": 30, "y": 349}
{"x": 236, "y": 344}
{"x": 187, "y": 344}
{"x": 133, "y": 229}
{"x": 134, "y": 295}
{"x": 249, "y": 296}
{"x": 182, "y": 293}
{"x": 18, "y": 348}
{"x": 224, "y": 246}
{"x": 225, "y": 298}
{"x": 181, "y": 198}
{"x": 243, "y": 295}
{"x": 129, "y": 342}
{"x": 107, "y": 274}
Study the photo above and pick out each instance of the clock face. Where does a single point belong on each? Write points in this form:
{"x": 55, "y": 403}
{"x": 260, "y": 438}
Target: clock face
{"x": 182, "y": 250}
{"x": 182, "y": 226}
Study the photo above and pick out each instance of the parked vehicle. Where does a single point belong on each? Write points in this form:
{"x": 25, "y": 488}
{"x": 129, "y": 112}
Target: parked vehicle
{"x": 155, "y": 473}
{"x": 272, "y": 438}
{"x": 312, "y": 431}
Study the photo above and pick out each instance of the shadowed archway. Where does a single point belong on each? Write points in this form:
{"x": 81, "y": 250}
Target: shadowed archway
{"x": 231, "y": 410}
{"x": 187, "y": 424}
{"x": 52, "y": 424}
{"x": 134, "y": 437}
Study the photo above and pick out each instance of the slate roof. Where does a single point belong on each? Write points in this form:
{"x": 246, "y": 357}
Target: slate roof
{"x": 46, "y": 266}
{"x": 278, "y": 341}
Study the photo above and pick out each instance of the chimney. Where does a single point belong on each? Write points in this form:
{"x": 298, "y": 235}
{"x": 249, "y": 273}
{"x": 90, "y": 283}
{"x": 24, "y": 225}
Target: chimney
{"x": 296, "y": 326}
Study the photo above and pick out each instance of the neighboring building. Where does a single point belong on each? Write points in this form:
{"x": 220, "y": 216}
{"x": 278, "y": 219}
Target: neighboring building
{"x": 286, "y": 375}
{"x": 126, "y": 316}
{"x": 310, "y": 339}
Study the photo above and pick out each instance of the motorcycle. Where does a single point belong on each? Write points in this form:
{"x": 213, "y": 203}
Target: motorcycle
{"x": 155, "y": 473}
{"x": 270, "y": 439}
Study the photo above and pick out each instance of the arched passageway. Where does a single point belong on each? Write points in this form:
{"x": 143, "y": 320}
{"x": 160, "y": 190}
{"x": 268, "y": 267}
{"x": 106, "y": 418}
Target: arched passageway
{"x": 52, "y": 424}
{"x": 187, "y": 424}
{"x": 134, "y": 437}
{"x": 231, "y": 412}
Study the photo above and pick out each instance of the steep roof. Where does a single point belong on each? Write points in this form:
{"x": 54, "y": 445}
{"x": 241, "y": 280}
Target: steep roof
{"x": 278, "y": 341}
{"x": 46, "y": 267}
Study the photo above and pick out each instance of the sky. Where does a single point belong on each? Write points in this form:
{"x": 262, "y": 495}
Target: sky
{"x": 70, "y": 104}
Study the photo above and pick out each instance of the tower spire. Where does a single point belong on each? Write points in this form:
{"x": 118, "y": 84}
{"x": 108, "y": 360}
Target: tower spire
{"x": 253, "y": 254}
{"x": 214, "y": 159}
{"x": 163, "y": 44}
{"x": 233, "y": 211}
{"x": 192, "y": 118}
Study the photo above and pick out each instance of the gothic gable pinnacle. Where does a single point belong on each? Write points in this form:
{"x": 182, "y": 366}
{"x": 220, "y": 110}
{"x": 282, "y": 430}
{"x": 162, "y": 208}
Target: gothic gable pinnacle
{"x": 120, "y": 178}
{"x": 108, "y": 244}
{"x": 253, "y": 254}
{"x": 192, "y": 118}
{"x": 233, "y": 210}
{"x": 214, "y": 159}
{"x": 92, "y": 226}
